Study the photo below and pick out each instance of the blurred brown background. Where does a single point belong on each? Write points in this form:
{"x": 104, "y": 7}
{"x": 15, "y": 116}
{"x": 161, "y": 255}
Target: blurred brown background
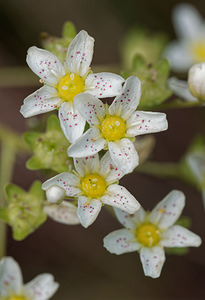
{"x": 74, "y": 255}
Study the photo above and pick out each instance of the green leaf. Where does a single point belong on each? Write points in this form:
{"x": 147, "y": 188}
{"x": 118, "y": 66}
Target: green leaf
{"x": 69, "y": 30}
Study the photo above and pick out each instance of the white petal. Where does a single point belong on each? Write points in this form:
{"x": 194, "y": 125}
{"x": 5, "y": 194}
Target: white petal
{"x": 88, "y": 211}
{"x": 67, "y": 181}
{"x": 71, "y": 121}
{"x": 45, "y": 64}
{"x": 141, "y": 122}
{"x": 87, "y": 164}
{"x": 119, "y": 196}
{"x": 80, "y": 53}
{"x": 130, "y": 221}
{"x": 90, "y": 107}
{"x": 196, "y": 162}
{"x": 121, "y": 241}
{"x": 108, "y": 169}
{"x": 65, "y": 213}
{"x": 43, "y": 100}
{"x": 41, "y": 287}
{"x": 167, "y": 211}
{"x": 152, "y": 261}
{"x": 10, "y": 277}
{"x": 187, "y": 21}
{"x": 88, "y": 144}
{"x": 181, "y": 89}
{"x": 129, "y": 98}
{"x": 102, "y": 85}
{"x": 179, "y": 56}
{"x": 124, "y": 155}
{"x": 178, "y": 236}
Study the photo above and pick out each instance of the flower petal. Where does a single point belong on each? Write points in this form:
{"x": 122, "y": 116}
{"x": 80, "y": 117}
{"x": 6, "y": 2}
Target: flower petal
{"x": 124, "y": 155}
{"x": 102, "y": 85}
{"x": 167, "y": 211}
{"x": 108, "y": 169}
{"x": 178, "y": 236}
{"x": 65, "y": 213}
{"x": 71, "y": 121}
{"x": 45, "y": 64}
{"x": 152, "y": 261}
{"x": 129, "y": 98}
{"x": 121, "y": 241}
{"x": 80, "y": 53}
{"x": 88, "y": 144}
{"x": 187, "y": 21}
{"x": 141, "y": 122}
{"x": 130, "y": 221}
{"x": 43, "y": 100}
{"x": 88, "y": 211}
{"x": 91, "y": 108}
{"x": 87, "y": 164}
{"x": 181, "y": 89}
{"x": 179, "y": 56}
{"x": 196, "y": 162}
{"x": 119, "y": 196}
{"x": 41, "y": 287}
{"x": 69, "y": 182}
{"x": 10, "y": 277}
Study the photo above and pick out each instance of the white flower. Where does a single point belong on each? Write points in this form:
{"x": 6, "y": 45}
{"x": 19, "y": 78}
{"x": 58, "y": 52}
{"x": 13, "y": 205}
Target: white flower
{"x": 114, "y": 126}
{"x": 196, "y": 162}
{"x": 181, "y": 89}
{"x": 41, "y": 287}
{"x": 64, "y": 82}
{"x": 94, "y": 183}
{"x": 190, "y": 46}
{"x": 149, "y": 233}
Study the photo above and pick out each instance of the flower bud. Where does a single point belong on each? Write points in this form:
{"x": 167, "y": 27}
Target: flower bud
{"x": 196, "y": 81}
{"x": 55, "y": 194}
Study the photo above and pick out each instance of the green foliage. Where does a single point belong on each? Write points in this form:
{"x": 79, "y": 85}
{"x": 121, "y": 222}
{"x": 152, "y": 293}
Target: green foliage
{"x": 49, "y": 148}
{"x": 139, "y": 41}
{"x": 56, "y": 45}
{"x": 24, "y": 212}
{"x": 154, "y": 80}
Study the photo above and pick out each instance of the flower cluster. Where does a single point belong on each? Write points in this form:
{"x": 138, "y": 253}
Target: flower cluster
{"x": 41, "y": 287}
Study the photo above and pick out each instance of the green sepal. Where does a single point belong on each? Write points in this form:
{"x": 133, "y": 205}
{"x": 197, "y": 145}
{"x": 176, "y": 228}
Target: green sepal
{"x": 53, "y": 123}
{"x": 69, "y": 30}
{"x": 12, "y": 191}
{"x": 184, "y": 221}
{"x": 34, "y": 163}
{"x": 24, "y": 212}
{"x": 30, "y": 138}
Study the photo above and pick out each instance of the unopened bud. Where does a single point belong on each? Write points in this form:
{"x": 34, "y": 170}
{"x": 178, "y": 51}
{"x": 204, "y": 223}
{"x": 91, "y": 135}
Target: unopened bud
{"x": 55, "y": 194}
{"x": 196, "y": 81}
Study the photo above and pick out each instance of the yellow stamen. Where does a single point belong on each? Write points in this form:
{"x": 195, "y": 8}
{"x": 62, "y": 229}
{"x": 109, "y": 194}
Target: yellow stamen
{"x": 93, "y": 185}
{"x": 113, "y": 128}
{"x": 69, "y": 86}
{"x": 148, "y": 234}
{"x": 15, "y": 298}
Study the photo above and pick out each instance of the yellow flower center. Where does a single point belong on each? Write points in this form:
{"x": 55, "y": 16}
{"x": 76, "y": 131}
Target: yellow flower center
{"x": 198, "y": 50}
{"x": 148, "y": 234}
{"x": 69, "y": 86}
{"x": 113, "y": 128}
{"x": 15, "y": 298}
{"x": 93, "y": 185}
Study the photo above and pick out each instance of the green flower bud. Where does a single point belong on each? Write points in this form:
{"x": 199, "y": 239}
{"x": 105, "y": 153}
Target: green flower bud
{"x": 154, "y": 80}
{"x": 24, "y": 212}
{"x": 49, "y": 148}
{"x": 59, "y": 46}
